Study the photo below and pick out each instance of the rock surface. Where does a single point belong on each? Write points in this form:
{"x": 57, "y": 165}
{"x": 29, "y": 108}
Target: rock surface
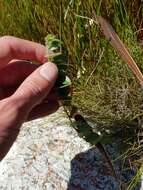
{"x": 48, "y": 155}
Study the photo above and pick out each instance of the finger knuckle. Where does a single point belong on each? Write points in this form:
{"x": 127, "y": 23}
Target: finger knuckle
{"x": 9, "y": 105}
{"x": 14, "y": 104}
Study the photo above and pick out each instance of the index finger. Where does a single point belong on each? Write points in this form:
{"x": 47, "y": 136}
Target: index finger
{"x": 16, "y": 48}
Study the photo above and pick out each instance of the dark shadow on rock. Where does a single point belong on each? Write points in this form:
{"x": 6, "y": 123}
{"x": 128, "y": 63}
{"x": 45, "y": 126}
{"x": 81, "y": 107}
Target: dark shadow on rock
{"x": 90, "y": 171}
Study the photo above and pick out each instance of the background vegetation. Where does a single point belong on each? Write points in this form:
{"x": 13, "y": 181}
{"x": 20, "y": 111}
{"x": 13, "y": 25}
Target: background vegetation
{"x": 111, "y": 96}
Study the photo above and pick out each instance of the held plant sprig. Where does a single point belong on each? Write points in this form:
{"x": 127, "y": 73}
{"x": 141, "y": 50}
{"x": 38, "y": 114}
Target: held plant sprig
{"x": 55, "y": 55}
{"x": 62, "y": 85}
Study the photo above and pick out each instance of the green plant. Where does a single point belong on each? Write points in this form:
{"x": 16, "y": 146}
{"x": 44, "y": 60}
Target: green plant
{"x": 54, "y": 54}
{"x": 112, "y": 97}
{"x": 84, "y": 130}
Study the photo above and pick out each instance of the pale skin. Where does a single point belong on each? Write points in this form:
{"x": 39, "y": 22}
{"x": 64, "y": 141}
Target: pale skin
{"x": 26, "y": 91}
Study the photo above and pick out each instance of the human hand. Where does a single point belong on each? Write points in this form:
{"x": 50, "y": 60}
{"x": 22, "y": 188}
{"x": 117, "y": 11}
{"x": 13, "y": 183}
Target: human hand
{"x": 25, "y": 89}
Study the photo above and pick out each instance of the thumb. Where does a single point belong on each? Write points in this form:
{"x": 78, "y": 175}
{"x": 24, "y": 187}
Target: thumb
{"x": 36, "y": 87}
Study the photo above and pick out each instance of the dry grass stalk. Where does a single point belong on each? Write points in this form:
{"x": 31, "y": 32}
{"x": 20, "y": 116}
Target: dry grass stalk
{"x": 115, "y": 41}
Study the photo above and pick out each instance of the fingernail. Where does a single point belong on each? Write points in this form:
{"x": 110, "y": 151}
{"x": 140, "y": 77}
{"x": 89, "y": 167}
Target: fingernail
{"x": 49, "y": 71}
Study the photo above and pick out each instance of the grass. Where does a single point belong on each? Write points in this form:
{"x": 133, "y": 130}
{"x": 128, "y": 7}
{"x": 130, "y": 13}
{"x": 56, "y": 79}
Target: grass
{"x": 111, "y": 96}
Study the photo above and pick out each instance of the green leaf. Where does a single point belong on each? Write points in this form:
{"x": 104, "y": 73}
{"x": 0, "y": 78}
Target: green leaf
{"x": 61, "y": 78}
{"x": 54, "y": 45}
{"x": 63, "y": 92}
{"x": 93, "y": 138}
{"x": 62, "y": 66}
{"x": 67, "y": 82}
{"x": 59, "y": 59}
{"x": 49, "y": 38}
